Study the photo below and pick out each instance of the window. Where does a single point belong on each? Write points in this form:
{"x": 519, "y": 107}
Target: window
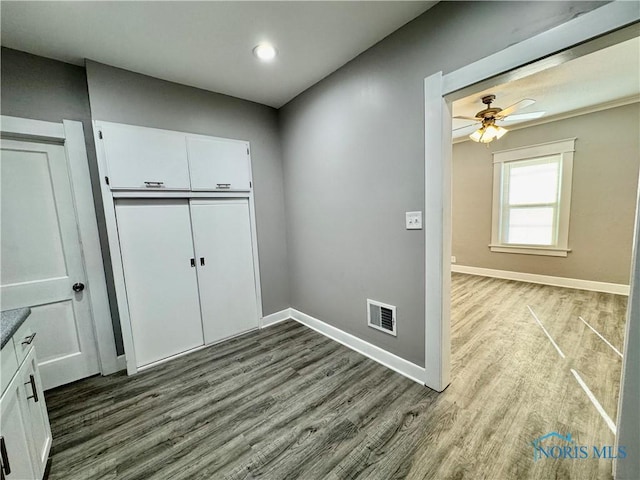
{"x": 532, "y": 199}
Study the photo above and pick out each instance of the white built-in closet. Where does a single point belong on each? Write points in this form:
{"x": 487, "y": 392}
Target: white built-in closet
{"x": 181, "y": 226}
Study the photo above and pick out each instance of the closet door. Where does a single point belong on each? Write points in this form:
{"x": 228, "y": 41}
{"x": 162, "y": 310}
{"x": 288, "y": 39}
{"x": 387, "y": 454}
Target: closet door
{"x": 222, "y": 237}
{"x": 162, "y": 288}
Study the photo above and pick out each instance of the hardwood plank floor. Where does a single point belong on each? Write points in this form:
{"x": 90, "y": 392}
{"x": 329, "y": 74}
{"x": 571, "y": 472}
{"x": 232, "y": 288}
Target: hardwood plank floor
{"x": 288, "y": 403}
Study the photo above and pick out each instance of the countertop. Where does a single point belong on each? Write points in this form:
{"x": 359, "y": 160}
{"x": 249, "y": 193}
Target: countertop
{"x": 10, "y": 321}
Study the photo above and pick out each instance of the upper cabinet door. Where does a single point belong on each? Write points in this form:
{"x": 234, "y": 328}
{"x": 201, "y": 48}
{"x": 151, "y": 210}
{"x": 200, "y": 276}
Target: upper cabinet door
{"x": 218, "y": 164}
{"x": 144, "y": 158}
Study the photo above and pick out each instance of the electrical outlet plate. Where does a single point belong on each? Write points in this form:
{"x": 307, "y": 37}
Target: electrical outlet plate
{"x": 414, "y": 220}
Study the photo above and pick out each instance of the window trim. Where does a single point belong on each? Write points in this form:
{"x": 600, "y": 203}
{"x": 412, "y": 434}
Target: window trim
{"x": 565, "y": 148}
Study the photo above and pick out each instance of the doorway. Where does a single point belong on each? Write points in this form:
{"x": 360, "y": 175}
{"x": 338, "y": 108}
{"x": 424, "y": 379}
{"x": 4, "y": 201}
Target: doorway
{"x": 441, "y": 90}
{"x": 50, "y": 253}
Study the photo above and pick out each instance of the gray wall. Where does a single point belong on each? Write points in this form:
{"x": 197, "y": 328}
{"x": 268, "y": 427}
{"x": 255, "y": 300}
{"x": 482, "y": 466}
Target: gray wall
{"x": 354, "y": 163}
{"x": 42, "y": 89}
{"x": 603, "y": 200}
{"x": 121, "y": 96}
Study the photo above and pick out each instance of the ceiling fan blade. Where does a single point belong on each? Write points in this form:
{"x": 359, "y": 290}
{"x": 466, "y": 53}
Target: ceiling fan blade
{"x": 516, "y": 106}
{"x": 463, "y": 131}
{"x": 462, "y": 117}
{"x": 467, "y": 126}
{"x": 523, "y": 116}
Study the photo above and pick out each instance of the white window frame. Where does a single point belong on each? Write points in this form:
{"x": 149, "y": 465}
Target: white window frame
{"x": 565, "y": 149}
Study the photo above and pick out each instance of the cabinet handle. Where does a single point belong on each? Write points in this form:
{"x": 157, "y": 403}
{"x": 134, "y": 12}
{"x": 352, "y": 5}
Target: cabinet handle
{"x": 223, "y": 185}
{"x": 29, "y": 340}
{"x": 34, "y": 389}
{"x": 6, "y": 468}
{"x": 193, "y": 262}
{"x": 154, "y": 184}
{"x": 202, "y": 261}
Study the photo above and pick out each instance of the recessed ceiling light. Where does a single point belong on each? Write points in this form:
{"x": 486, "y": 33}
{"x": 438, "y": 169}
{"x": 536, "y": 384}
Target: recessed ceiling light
{"x": 265, "y": 52}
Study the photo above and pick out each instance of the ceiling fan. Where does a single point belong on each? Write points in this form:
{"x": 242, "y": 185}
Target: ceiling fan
{"x": 488, "y": 117}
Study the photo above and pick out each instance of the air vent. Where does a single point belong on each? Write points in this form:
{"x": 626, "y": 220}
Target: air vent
{"x": 381, "y": 316}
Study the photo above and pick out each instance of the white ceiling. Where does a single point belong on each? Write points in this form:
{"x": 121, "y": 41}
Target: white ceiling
{"x": 603, "y": 77}
{"x": 209, "y": 44}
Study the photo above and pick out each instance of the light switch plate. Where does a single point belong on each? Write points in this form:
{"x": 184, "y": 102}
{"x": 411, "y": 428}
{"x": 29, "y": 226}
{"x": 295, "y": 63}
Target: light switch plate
{"x": 414, "y": 220}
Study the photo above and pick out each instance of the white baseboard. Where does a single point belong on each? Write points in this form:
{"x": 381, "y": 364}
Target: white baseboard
{"x": 277, "y": 317}
{"x": 604, "y": 287}
{"x": 121, "y": 363}
{"x": 389, "y": 360}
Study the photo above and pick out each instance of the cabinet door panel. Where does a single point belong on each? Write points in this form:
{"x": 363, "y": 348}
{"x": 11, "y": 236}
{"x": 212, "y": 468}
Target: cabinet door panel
{"x": 37, "y": 417}
{"x": 222, "y": 236}
{"x": 15, "y": 432}
{"x": 162, "y": 289}
{"x": 218, "y": 164}
{"x": 139, "y": 158}
{"x": 8, "y": 364}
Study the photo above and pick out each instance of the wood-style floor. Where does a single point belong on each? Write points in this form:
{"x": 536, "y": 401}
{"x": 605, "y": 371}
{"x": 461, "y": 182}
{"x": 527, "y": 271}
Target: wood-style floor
{"x": 288, "y": 403}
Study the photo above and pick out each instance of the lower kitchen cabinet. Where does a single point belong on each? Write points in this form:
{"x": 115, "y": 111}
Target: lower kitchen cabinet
{"x": 37, "y": 416}
{"x": 17, "y": 461}
{"x": 25, "y": 435}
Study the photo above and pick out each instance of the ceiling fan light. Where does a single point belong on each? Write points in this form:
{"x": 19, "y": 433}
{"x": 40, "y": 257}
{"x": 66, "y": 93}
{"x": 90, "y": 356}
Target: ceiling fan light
{"x": 500, "y": 131}
{"x": 491, "y": 131}
{"x": 477, "y": 135}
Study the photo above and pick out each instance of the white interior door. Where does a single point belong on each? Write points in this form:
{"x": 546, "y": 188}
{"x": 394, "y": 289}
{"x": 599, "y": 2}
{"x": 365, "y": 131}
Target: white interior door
{"x": 42, "y": 259}
{"x": 160, "y": 277}
{"x": 222, "y": 237}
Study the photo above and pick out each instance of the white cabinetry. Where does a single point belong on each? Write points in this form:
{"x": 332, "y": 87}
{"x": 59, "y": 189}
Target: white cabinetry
{"x": 222, "y": 237}
{"x": 175, "y": 296}
{"x": 218, "y": 164}
{"x": 139, "y": 158}
{"x": 8, "y": 363}
{"x": 14, "y": 442}
{"x": 160, "y": 274}
{"x": 144, "y": 158}
{"x": 36, "y": 413}
{"x": 184, "y": 253}
{"x": 25, "y": 434}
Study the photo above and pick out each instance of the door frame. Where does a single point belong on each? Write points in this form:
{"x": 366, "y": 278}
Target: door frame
{"x": 70, "y": 134}
{"x": 553, "y": 47}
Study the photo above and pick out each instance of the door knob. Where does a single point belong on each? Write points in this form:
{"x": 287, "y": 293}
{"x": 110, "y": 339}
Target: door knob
{"x": 78, "y": 287}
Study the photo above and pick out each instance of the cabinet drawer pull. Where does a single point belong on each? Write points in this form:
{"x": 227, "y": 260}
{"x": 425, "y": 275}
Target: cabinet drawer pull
{"x": 223, "y": 185}
{"x": 6, "y": 468}
{"x": 202, "y": 261}
{"x": 154, "y": 184}
{"x": 193, "y": 262}
{"x": 34, "y": 389}
{"x": 29, "y": 340}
